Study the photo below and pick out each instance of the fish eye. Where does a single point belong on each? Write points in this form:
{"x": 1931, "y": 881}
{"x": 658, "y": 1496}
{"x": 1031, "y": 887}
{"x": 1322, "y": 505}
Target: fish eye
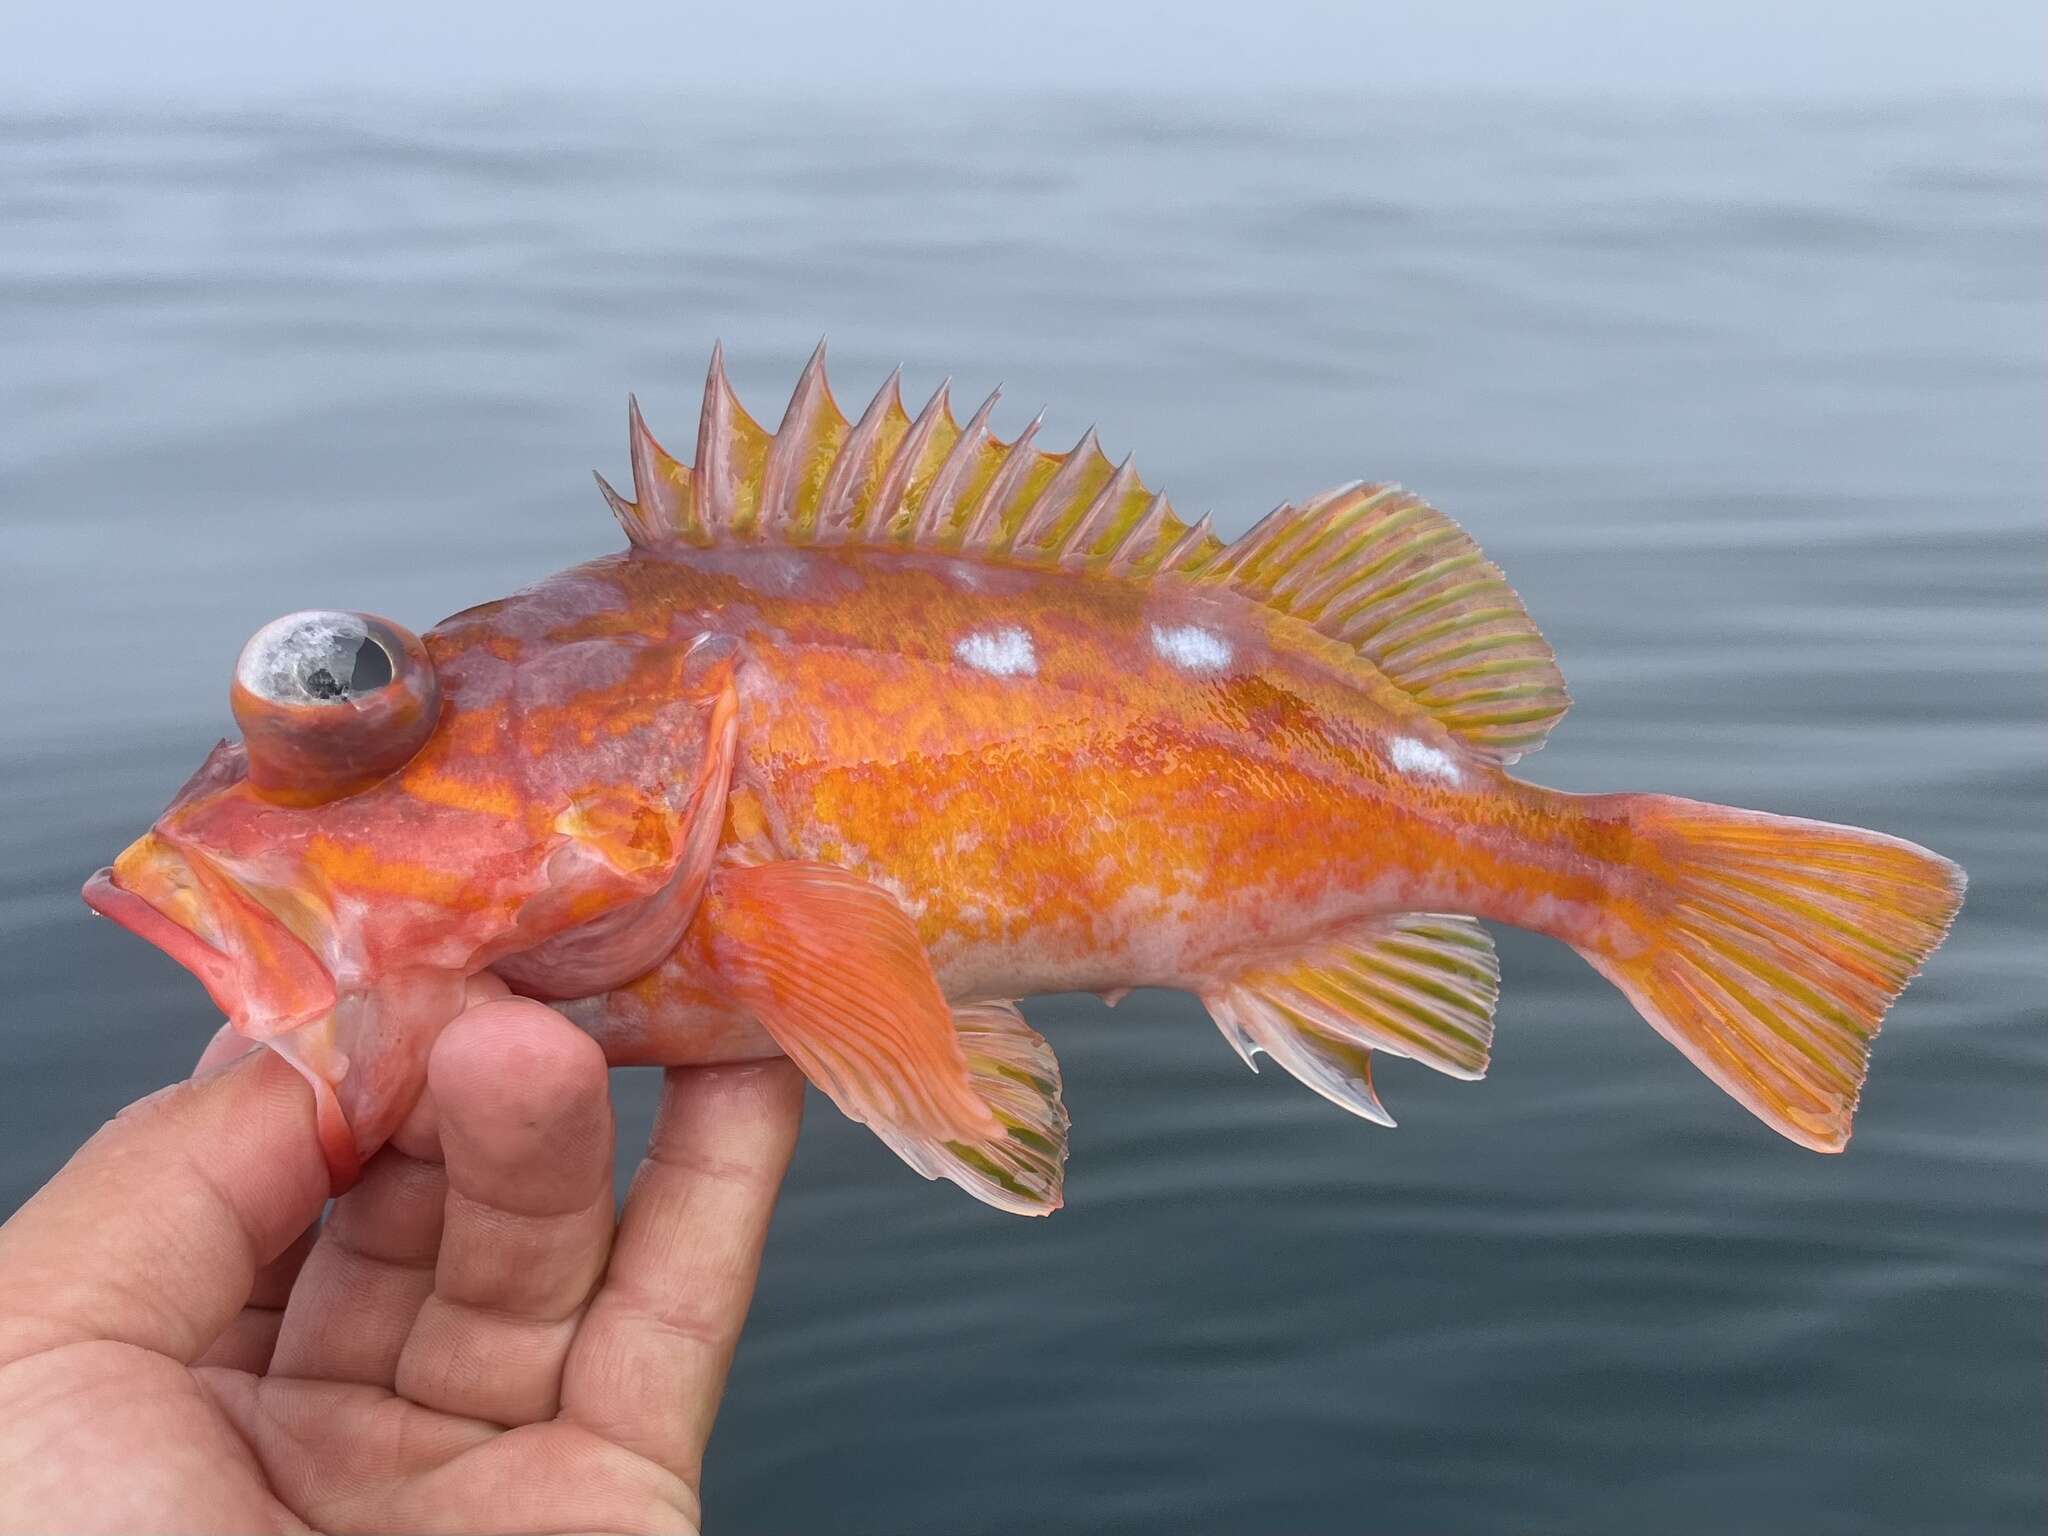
{"x": 353, "y": 671}
{"x": 318, "y": 657}
{"x": 331, "y": 701}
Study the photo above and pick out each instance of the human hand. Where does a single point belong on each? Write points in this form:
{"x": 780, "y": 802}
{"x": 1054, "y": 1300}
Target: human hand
{"x": 470, "y": 1343}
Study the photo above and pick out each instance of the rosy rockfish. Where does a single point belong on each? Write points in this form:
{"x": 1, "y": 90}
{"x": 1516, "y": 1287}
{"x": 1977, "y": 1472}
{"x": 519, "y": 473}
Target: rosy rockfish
{"x": 879, "y": 726}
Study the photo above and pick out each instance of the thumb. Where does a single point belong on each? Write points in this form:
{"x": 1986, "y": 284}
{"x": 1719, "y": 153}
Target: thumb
{"x": 153, "y": 1232}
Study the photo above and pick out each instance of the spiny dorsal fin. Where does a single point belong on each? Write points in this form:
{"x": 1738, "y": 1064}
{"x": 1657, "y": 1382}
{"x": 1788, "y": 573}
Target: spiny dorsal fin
{"x": 1368, "y": 565}
{"x": 1392, "y": 577}
{"x": 890, "y": 479}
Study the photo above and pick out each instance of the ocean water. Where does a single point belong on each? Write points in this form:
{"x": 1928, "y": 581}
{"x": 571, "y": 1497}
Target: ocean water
{"x": 1747, "y": 399}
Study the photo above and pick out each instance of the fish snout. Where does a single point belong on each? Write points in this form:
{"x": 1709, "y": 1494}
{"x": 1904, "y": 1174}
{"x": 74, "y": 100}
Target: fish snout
{"x": 259, "y": 973}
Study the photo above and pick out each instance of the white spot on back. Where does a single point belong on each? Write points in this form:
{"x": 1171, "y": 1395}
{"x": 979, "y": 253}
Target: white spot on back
{"x": 1423, "y": 760}
{"x": 1191, "y": 647}
{"x": 1005, "y": 652}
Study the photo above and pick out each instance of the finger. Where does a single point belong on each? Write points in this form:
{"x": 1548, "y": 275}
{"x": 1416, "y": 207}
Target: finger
{"x": 248, "y": 1342}
{"x": 373, "y": 1269}
{"x": 649, "y": 1367}
{"x": 367, "y": 1277}
{"x": 152, "y": 1234}
{"x": 524, "y": 1108}
{"x": 418, "y": 1134}
{"x": 227, "y": 1044}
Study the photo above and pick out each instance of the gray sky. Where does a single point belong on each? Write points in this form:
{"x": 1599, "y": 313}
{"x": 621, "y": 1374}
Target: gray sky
{"x": 238, "y": 48}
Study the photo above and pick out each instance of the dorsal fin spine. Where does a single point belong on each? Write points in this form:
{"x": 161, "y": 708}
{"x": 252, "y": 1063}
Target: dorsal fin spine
{"x": 1188, "y": 554}
{"x": 940, "y": 498}
{"x": 835, "y": 518}
{"x": 1043, "y": 514}
{"x": 664, "y": 504}
{"x": 891, "y": 495}
{"x": 1099, "y": 516}
{"x": 622, "y": 509}
{"x": 985, "y": 521}
{"x": 713, "y": 469}
{"x": 1135, "y": 554}
{"x": 780, "y": 503}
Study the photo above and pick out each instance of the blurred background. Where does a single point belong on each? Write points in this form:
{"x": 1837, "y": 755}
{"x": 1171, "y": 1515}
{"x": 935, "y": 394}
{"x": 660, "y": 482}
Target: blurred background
{"x": 1721, "y": 326}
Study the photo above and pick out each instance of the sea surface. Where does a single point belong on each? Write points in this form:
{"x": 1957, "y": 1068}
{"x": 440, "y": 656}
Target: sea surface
{"x": 1748, "y": 399}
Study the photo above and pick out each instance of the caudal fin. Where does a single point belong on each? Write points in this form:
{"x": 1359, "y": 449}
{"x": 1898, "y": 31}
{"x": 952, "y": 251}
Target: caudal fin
{"x": 1768, "y": 949}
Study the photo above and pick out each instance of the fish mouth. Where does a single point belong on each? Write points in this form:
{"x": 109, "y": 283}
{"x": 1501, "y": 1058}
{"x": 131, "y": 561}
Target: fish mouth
{"x": 259, "y": 973}
{"x": 274, "y": 988}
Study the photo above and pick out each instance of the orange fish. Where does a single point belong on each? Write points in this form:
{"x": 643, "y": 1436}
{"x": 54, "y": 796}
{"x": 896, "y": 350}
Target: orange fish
{"x": 878, "y": 726}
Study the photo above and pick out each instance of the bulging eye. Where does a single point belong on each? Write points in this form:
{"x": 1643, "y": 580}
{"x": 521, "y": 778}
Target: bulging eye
{"x": 329, "y": 702}
{"x": 318, "y": 657}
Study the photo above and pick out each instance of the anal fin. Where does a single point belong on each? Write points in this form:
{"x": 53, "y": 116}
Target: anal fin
{"x": 1417, "y": 984}
{"x": 1021, "y": 1168}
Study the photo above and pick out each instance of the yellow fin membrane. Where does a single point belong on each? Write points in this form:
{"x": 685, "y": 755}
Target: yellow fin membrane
{"x": 1418, "y": 984}
{"x": 1405, "y": 587}
{"x": 1021, "y": 1168}
{"x": 1768, "y": 948}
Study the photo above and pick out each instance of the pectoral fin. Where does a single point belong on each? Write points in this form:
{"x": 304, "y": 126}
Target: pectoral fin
{"x": 832, "y": 968}
{"x": 1418, "y": 984}
{"x": 1021, "y": 1168}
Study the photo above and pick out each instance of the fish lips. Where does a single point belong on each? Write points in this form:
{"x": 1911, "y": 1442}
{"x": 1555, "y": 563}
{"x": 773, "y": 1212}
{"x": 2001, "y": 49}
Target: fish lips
{"x": 260, "y": 974}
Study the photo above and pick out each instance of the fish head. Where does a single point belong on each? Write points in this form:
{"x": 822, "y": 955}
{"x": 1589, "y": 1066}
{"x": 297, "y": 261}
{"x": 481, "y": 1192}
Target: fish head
{"x": 518, "y": 790}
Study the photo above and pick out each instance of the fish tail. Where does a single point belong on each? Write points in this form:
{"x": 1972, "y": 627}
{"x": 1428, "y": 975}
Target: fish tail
{"x": 1766, "y": 948}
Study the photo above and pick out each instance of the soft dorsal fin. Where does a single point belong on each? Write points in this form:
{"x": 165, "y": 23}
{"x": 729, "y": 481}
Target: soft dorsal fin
{"x": 1407, "y": 588}
{"x": 1367, "y": 565}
